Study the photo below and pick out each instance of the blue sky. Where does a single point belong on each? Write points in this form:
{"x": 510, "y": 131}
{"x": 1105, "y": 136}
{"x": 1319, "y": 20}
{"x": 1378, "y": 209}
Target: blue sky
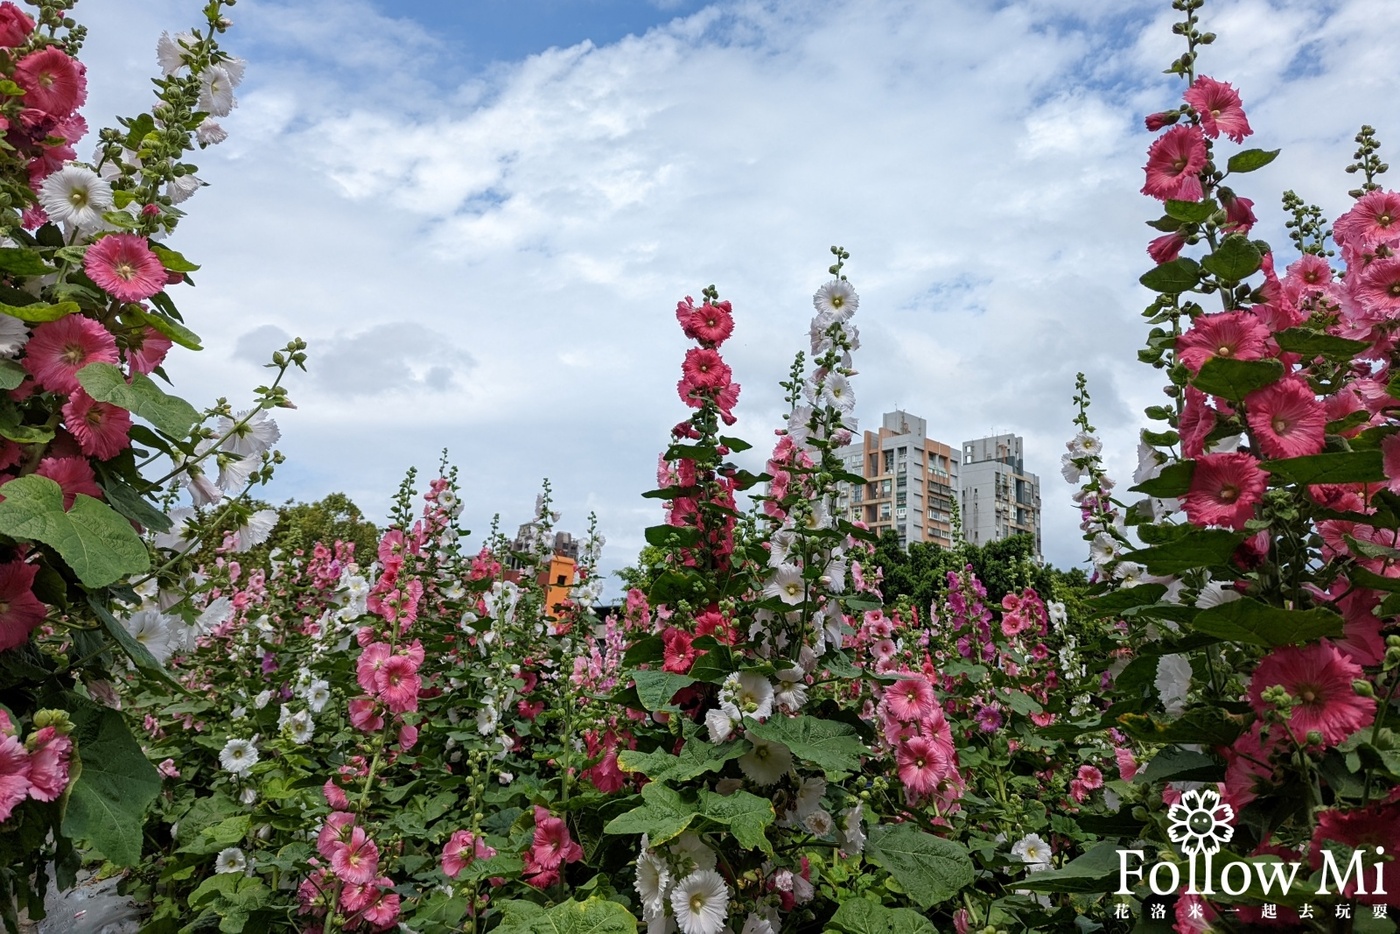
{"x": 482, "y": 216}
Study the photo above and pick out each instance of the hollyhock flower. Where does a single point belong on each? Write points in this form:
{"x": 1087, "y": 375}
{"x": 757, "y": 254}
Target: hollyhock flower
{"x": 123, "y": 265}
{"x": 15, "y": 25}
{"x": 1165, "y": 248}
{"x": 1248, "y": 771}
{"x": 719, "y": 724}
{"x": 20, "y": 611}
{"x": 1374, "y": 219}
{"x": 73, "y": 475}
{"x": 59, "y": 349}
{"x": 989, "y": 718}
{"x": 1287, "y": 418}
{"x": 910, "y": 699}
{"x": 766, "y": 762}
{"x": 216, "y": 91}
{"x": 238, "y": 757}
{"x": 749, "y": 693}
{"x": 836, "y": 300}
{"x": 1090, "y": 776}
{"x": 334, "y": 832}
{"x": 383, "y": 912}
{"x": 787, "y": 585}
{"x": 230, "y": 859}
{"x": 101, "y": 429}
{"x": 1219, "y": 107}
{"x": 14, "y": 774}
{"x": 1368, "y": 831}
{"x": 462, "y": 849}
{"x": 552, "y": 846}
{"x": 76, "y": 195}
{"x": 398, "y": 683}
{"x": 922, "y": 763}
{"x": 653, "y": 885}
{"x": 704, "y": 369}
{"x": 14, "y": 334}
{"x": 1127, "y": 764}
{"x": 678, "y": 653}
{"x": 53, "y": 81}
{"x": 700, "y": 902}
{"x": 1320, "y": 679}
{"x": 1225, "y": 488}
{"x": 1032, "y": 851}
{"x": 367, "y": 666}
{"x": 1239, "y": 214}
{"x": 1379, "y": 287}
{"x": 210, "y": 133}
{"x": 356, "y": 859}
{"x": 709, "y": 324}
{"x": 146, "y": 350}
{"x": 154, "y": 630}
{"x": 364, "y": 715}
{"x": 1236, "y": 335}
{"x": 335, "y": 796}
{"x": 249, "y": 433}
{"x": 173, "y": 53}
{"x": 1173, "y": 163}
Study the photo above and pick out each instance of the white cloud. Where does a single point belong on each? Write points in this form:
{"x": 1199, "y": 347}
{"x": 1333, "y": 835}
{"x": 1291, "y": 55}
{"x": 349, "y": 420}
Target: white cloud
{"x": 488, "y": 262}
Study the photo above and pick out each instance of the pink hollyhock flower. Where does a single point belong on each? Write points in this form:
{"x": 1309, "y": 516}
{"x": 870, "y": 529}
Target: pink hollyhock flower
{"x": 408, "y": 737}
{"x": 1374, "y": 219}
{"x": 910, "y": 699}
{"x": 20, "y": 611}
{"x": 53, "y": 81}
{"x": 49, "y": 752}
{"x": 1166, "y": 248}
{"x": 364, "y": 715}
{"x": 1379, "y": 287}
{"x": 537, "y": 875}
{"x": 1157, "y": 121}
{"x": 1239, "y": 213}
{"x": 383, "y": 913}
{"x": 398, "y": 683}
{"x": 462, "y": 849}
{"x": 1319, "y": 678}
{"x": 123, "y": 265}
{"x": 1173, "y": 163}
{"x": 704, "y": 369}
{"x": 15, "y": 25}
{"x": 335, "y": 796}
{"x": 921, "y": 763}
{"x": 677, "y": 650}
{"x": 1219, "y": 107}
{"x": 1390, "y": 459}
{"x": 1090, "y": 776}
{"x": 989, "y": 718}
{"x": 335, "y": 832}
{"x": 552, "y": 845}
{"x": 357, "y": 859}
{"x": 709, "y": 324}
{"x": 1225, "y": 488}
{"x": 357, "y": 896}
{"x": 1236, "y": 335}
{"x": 14, "y": 774}
{"x": 1127, "y": 764}
{"x": 1248, "y": 771}
{"x": 168, "y": 769}
{"x": 1367, "y": 830}
{"x": 101, "y": 429}
{"x": 367, "y": 666}
{"x": 59, "y": 349}
{"x": 1287, "y": 419}
{"x": 146, "y": 350}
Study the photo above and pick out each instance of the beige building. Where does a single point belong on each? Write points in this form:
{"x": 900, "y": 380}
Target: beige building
{"x": 910, "y": 481}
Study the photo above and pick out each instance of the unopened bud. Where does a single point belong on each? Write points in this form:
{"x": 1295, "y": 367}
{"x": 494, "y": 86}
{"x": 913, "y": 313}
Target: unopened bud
{"x": 1363, "y": 688}
{"x": 1314, "y": 738}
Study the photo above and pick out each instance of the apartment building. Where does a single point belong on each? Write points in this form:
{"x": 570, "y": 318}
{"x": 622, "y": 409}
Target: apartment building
{"x": 910, "y": 485}
{"x": 999, "y": 497}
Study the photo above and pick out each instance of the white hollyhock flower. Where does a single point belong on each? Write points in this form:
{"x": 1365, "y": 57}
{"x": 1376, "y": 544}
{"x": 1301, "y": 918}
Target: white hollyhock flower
{"x": 809, "y": 795}
{"x": 210, "y": 133}
{"x": 700, "y": 902}
{"x": 179, "y": 189}
{"x": 256, "y": 530}
{"x": 486, "y": 719}
{"x": 235, "y": 471}
{"x": 299, "y": 727}
{"x": 1150, "y": 462}
{"x": 1032, "y": 851}
{"x": 249, "y": 433}
{"x": 1084, "y": 444}
{"x": 261, "y": 700}
{"x": 230, "y": 860}
{"x": 76, "y": 195}
{"x": 1215, "y": 593}
{"x": 837, "y": 393}
{"x": 180, "y": 535}
{"x": 1103, "y": 549}
{"x": 691, "y": 853}
{"x": 238, "y": 756}
{"x": 653, "y": 884}
{"x": 787, "y": 585}
{"x": 1173, "y": 682}
{"x": 749, "y": 693}
{"x": 1071, "y": 471}
{"x": 720, "y": 725}
{"x": 791, "y": 691}
{"x": 317, "y": 693}
{"x": 766, "y": 762}
{"x": 1057, "y": 613}
{"x": 836, "y": 300}
{"x": 853, "y": 830}
{"x": 152, "y": 629}
{"x": 819, "y": 823}
{"x": 1129, "y": 573}
{"x": 171, "y": 51}
{"x": 216, "y": 91}
{"x": 757, "y": 924}
{"x": 14, "y": 334}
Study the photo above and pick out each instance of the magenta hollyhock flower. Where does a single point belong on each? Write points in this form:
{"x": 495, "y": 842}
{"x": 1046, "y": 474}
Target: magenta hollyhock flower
{"x": 1237, "y": 335}
{"x": 1225, "y": 488}
{"x": 1197, "y": 422}
{"x": 146, "y": 350}
{"x": 704, "y": 369}
{"x": 910, "y": 699}
{"x": 356, "y": 859}
{"x": 1219, "y": 107}
{"x": 1374, "y": 219}
{"x": 1239, "y": 214}
{"x": 1287, "y": 418}
{"x": 59, "y": 349}
{"x": 988, "y": 718}
{"x": 1090, "y": 776}
{"x": 335, "y": 796}
{"x": 364, "y": 715}
{"x": 462, "y": 849}
{"x": 366, "y": 667}
{"x": 922, "y": 763}
{"x": 15, "y": 25}
{"x": 53, "y": 81}
{"x": 1379, "y": 287}
{"x": 20, "y": 611}
{"x": 1173, "y": 163}
{"x": 357, "y": 896}
{"x": 101, "y": 429}
{"x": 677, "y": 651}
{"x": 1370, "y": 831}
{"x": 14, "y": 774}
{"x": 383, "y": 912}
{"x": 709, "y": 324}
{"x": 398, "y": 684}
{"x": 49, "y": 752}
{"x": 1320, "y": 679}
{"x": 335, "y": 832}
{"x": 1166, "y": 248}
{"x": 552, "y": 846}
{"x": 124, "y": 266}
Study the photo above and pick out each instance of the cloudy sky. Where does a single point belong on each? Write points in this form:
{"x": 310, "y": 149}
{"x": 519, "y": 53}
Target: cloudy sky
{"x": 481, "y": 213}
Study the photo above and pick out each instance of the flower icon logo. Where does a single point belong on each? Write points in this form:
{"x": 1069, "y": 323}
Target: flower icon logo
{"x": 1200, "y": 822}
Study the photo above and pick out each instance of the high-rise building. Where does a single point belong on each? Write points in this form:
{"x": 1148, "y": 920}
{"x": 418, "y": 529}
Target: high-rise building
{"x": 999, "y": 498}
{"x": 910, "y": 481}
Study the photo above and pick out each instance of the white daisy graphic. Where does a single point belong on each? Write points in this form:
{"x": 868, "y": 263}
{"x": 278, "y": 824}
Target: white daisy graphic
{"x": 1200, "y": 822}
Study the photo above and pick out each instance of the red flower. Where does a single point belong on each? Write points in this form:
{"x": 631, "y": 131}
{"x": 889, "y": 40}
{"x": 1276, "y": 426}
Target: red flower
{"x": 101, "y": 429}
{"x": 679, "y": 653}
{"x": 53, "y": 81}
{"x": 1319, "y": 678}
{"x": 1236, "y": 335}
{"x": 59, "y": 349}
{"x": 20, "y": 611}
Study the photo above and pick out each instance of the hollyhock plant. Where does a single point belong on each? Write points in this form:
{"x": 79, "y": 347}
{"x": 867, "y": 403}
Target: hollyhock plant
{"x": 1219, "y": 107}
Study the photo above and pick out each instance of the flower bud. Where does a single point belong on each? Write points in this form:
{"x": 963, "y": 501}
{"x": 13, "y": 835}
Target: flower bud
{"x": 1363, "y": 688}
{"x": 1314, "y": 738}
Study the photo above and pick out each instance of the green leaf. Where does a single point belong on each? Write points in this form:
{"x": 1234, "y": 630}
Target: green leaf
{"x": 867, "y": 916}
{"x": 18, "y": 261}
{"x": 1095, "y": 871}
{"x": 1249, "y": 621}
{"x": 930, "y": 869}
{"x": 1206, "y": 725}
{"x": 828, "y": 744}
{"x": 1174, "y": 480}
{"x": 11, "y": 374}
{"x": 1180, "y": 275}
{"x": 1198, "y": 548}
{"x": 1251, "y": 159}
{"x": 656, "y": 688}
{"x": 1177, "y": 764}
{"x": 12, "y": 428}
{"x": 39, "y": 313}
{"x": 664, "y": 815}
{"x": 1125, "y": 598}
{"x": 172, "y": 260}
{"x": 746, "y": 815}
{"x": 735, "y": 445}
{"x": 1235, "y": 379}
{"x": 1192, "y": 212}
{"x": 225, "y": 833}
{"x": 1312, "y": 343}
{"x": 171, "y": 414}
{"x": 1235, "y": 259}
{"x": 93, "y": 539}
{"x": 594, "y": 916}
{"x": 116, "y": 784}
{"x": 696, "y": 758}
{"x": 133, "y": 505}
{"x": 166, "y": 325}
{"x": 1339, "y": 467}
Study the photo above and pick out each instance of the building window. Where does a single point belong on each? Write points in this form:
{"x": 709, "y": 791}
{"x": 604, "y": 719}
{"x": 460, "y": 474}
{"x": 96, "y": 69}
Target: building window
{"x": 561, "y": 581}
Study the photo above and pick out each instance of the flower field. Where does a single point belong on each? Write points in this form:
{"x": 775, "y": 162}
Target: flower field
{"x": 414, "y": 732}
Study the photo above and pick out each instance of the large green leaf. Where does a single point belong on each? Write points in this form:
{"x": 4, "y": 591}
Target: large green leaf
{"x": 867, "y": 916}
{"x": 1247, "y": 620}
{"x": 1338, "y": 467}
{"x": 696, "y": 758}
{"x": 656, "y": 688}
{"x": 1094, "y": 871}
{"x": 116, "y": 784}
{"x": 595, "y": 916}
{"x": 166, "y": 325}
{"x": 1174, "y": 480}
{"x": 38, "y": 314}
{"x": 1206, "y": 725}
{"x": 664, "y": 815}
{"x": 1198, "y": 548}
{"x": 1192, "y": 212}
{"x": 106, "y": 383}
{"x": 1235, "y": 379}
{"x": 746, "y": 815}
{"x": 97, "y": 543}
{"x": 1177, "y": 764}
{"x": 1180, "y": 275}
{"x": 11, "y": 374}
{"x": 930, "y": 869}
{"x": 829, "y": 744}
{"x": 21, "y": 262}
{"x": 1312, "y": 343}
{"x": 1250, "y": 159}
{"x": 1236, "y": 258}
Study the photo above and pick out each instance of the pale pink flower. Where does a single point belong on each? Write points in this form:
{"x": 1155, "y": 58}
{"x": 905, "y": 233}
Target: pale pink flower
{"x": 49, "y": 752}
{"x": 14, "y": 775}
{"x": 334, "y": 832}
